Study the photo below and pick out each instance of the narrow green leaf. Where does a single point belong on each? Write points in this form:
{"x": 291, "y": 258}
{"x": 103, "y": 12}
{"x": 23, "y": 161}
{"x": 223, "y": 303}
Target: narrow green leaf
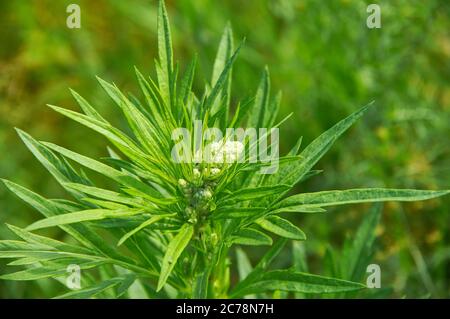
{"x": 298, "y": 209}
{"x": 292, "y": 174}
{"x": 80, "y": 232}
{"x": 250, "y": 236}
{"x": 224, "y": 53}
{"x": 294, "y": 151}
{"x": 107, "y": 194}
{"x": 331, "y": 264}
{"x": 165, "y": 54}
{"x": 235, "y": 212}
{"x": 262, "y": 266}
{"x": 102, "y": 169}
{"x": 102, "y": 127}
{"x": 299, "y": 256}
{"x": 81, "y": 216}
{"x": 174, "y": 250}
{"x": 201, "y": 281}
{"x": 221, "y": 81}
{"x": 26, "y": 261}
{"x": 125, "y": 285}
{"x": 362, "y": 195}
{"x": 16, "y": 245}
{"x": 186, "y": 82}
{"x": 42, "y": 272}
{"x": 147, "y": 223}
{"x": 243, "y": 264}
{"x": 59, "y": 169}
{"x": 361, "y": 244}
{"x": 257, "y": 192}
{"x": 87, "y": 108}
{"x": 47, "y": 242}
{"x": 49, "y": 208}
{"x": 281, "y": 227}
{"x": 274, "y": 108}
{"x": 33, "y": 274}
{"x": 103, "y": 203}
{"x": 287, "y": 280}
{"x": 92, "y": 291}
{"x": 260, "y": 109}
{"x": 150, "y": 97}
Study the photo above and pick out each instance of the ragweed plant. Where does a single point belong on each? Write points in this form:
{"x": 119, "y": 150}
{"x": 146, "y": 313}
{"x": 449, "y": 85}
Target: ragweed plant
{"x": 168, "y": 227}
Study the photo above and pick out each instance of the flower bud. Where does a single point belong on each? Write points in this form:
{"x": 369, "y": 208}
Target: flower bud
{"x": 215, "y": 171}
{"x": 214, "y": 239}
{"x": 182, "y": 182}
{"x": 196, "y": 173}
{"x": 189, "y": 211}
{"x": 206, "y": 194}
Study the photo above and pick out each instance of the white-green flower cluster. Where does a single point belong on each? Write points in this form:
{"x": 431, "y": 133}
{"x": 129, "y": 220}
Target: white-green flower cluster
{"x": 222, "y": 152}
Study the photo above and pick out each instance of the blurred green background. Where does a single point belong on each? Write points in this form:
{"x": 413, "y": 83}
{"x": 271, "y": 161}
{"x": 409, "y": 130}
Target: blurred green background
{"x": 320, "y": 54}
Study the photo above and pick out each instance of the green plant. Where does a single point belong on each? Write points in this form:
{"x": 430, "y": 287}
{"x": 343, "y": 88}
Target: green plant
{"x": 176, "y": 223}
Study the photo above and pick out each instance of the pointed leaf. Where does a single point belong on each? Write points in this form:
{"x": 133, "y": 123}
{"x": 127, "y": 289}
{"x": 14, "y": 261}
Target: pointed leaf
{"x": 147, "y": 223}
{"x": 362, "y": 195}
{"x": 250, "y": 236}
{"x": 174, "y": 250}
{"x": 260, "y": 108}
{"x": 281, "y": 227}
{"x": 286, "y": 280}
{"x": 81, "y": 216}
{"x": 165, "y": 54}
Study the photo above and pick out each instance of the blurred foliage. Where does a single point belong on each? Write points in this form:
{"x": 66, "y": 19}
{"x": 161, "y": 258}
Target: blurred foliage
{"x": 320, "y": 54}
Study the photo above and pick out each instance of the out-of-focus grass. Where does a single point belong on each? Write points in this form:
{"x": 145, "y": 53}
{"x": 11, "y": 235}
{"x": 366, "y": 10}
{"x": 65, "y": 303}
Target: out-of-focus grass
{"x": 320, "y": 54}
